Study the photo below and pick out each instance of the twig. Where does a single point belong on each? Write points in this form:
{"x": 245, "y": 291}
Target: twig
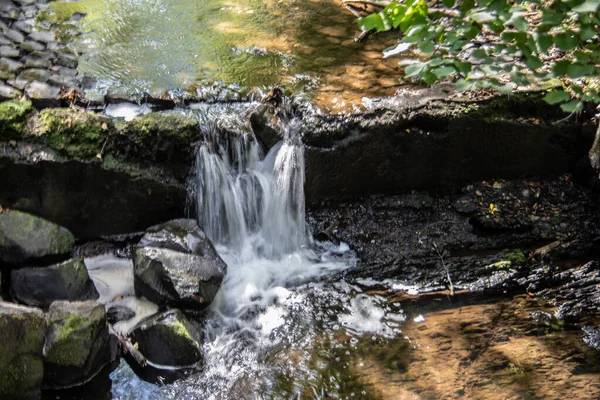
{"x": 450, "y": 285}
{"x": 129, "y": 347}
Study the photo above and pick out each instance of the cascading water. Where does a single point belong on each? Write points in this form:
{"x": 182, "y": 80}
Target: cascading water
{"x": 274, "y": 304}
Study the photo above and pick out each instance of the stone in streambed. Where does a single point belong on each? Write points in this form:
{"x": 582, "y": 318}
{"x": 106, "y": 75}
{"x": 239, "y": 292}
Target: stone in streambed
{"x": 25, "y": 237}
{"x": 170, "y": 344}
{"x": 118, "y": 313}
{"x": 41, "y": 286}
{"x": 77, "y": 344}
{"x": 175, "y": 263}
{"x": 22, "y": 331}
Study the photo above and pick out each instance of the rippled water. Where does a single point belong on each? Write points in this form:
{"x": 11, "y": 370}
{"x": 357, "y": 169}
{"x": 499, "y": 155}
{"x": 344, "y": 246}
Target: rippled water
{"x": 151, "y": 45}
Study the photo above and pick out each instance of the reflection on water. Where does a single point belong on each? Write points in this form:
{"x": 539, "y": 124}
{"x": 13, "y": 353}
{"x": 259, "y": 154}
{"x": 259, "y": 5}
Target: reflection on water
{"x": 173, "y": 44}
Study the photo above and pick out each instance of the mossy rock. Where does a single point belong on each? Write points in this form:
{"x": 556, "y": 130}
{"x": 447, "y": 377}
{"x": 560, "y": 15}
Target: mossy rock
{"x": 41, "y": 286}
{"x": 160, "y": 137}
{"x": 13, "y": 119}
{"x": 78, "y": 134}
{"x": 168, "y": 339}
{"x": 22, "y": 331}
{"x": 77, "y": 343}
{"x": 26, "y": 237}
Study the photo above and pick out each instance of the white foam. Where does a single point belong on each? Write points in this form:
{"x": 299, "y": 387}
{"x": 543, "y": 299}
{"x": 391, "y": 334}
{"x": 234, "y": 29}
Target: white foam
{"x": 128, "y": 111}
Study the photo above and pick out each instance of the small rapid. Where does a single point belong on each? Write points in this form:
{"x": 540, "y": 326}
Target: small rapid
{"x": 282, "y": 299}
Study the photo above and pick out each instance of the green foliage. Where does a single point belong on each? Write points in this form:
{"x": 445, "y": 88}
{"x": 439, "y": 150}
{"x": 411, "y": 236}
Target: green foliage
{"x": 500, "y": 44}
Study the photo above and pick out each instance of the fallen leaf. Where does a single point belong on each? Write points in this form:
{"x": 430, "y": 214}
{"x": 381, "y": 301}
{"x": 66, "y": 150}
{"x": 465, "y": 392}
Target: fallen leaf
{"x": 149, "y": 191}
{"x": 1, "y": 209}
{"x": 104, "y": 126}
{"x": 99, "y": 155}
{"x": 69, "y": 122}
{"x": 29, "y": 149}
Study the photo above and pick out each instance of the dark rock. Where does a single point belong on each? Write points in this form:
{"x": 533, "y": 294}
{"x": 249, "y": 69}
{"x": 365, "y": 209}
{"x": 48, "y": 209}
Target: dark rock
{"x": 591, "y": 336}
{"x": 44, "y": 37}
{"x": 176, "y": 264}
{"x": 118, "y": 313}
{"x": 24, "y": 237}
{"x": 30, "y": 45}
{"x": 22, "y": 331}
{"x": 63, "y": 80}
{"x": 10, "y": 65}
{"x": 77, "y": 343}
{"x": 9, "y": 51}
{"x": 41, "y": 286}
{"x": 170, "y": 343}
{"x": 15, "y": 35}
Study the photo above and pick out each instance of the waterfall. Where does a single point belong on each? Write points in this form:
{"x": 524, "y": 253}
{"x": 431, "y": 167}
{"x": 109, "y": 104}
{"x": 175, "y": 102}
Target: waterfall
{"x": 244, "y": 199}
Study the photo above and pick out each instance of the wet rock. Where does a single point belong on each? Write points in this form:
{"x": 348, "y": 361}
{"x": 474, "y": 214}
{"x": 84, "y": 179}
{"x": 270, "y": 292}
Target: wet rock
{"x": 176, "y": 264}
{"x": 24, "y": 237}
{"x": 591, "y": 336}
{"x": 170, "y": 343}
{"x": 9, "y": 51}
{"x": 8, "y": 92}
{"x": 41, "y": 286}
{"x": 22, "y": 331}
{"x": 118, "y": 313}
{"x": 18, "y": 84}
{"x": 10, "y": 65}
{"x": 23, "y": 25}
{"x": 63, "y": 80}
{"x": 77, "y": 343}
{"x": 66, "y": 60}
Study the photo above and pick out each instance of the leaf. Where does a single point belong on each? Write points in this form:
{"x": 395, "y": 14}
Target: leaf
{"x": 104, "y": 126}
{"x": 427, "y": 46}
{"x": 373, "y": 21}
{"x": 414, "y": 69}
{"x": 578, "y": 70}
{"x": 397, "y": 49}
{"x": 463, "y": 67}
{"x": 572, "y": 106}
{"x": 99, "y": 155}
{"x": 428, "y": 77}
{"x": 504, "y": 89}
{"x": 543, "y": 41}
{"x": 588, "y": 6}
{"x": 444, "y": 71}
{"x": 448, "y": 3}
{"x": 482, "y": 17}
{"x": 566, "y": 41}
{"x": 586, "y": 32}
{"x": 556, "y": 96}
{"x": 463, "y": 85}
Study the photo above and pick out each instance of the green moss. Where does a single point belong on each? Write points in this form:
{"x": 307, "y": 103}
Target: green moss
{"x": 181, "y": 340}
{"x": 78, "y": 134}
{"x": 74, "y": 332}
{"x": 13, "y": 118}
{"x": 515, "y": 257}
{"x": 74, "y": 273}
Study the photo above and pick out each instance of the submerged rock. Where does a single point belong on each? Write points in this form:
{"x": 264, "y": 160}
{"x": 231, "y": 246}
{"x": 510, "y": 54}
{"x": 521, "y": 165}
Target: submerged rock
{"x": 176, "y": 264}
{"x": 41, "y": 286}
{"x": 77, "y": 344}
{"x": 118, "y": 313}
{"x": 25, "y": 237}
{"x": 22, "y": 332}
{"x": 170, "y": 344}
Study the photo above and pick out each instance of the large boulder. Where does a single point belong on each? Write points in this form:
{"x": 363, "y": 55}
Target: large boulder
{"x": 77, "y": 344}
{"x": 176, "y": 264}
{"x": 26, "y": 237}
{"x": 22, "y": 332}
{"x": 41, "y": 286}
{"x": 170, "y": 345}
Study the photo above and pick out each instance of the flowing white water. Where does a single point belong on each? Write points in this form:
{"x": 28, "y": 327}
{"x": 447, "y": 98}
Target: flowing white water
{"x": 275, "y": 301}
